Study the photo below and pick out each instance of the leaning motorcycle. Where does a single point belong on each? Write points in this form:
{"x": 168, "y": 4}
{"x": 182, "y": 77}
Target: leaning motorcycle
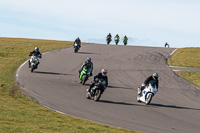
{"x": 116, "y": 40}
{"x": 147, "y": 93}
{"x": 34, "y": 61}
{"x": 84, "y": 75}
{"x": 76, "y": 48}
{"x": 108, "y": 40}
{"x": 96, "y": 90}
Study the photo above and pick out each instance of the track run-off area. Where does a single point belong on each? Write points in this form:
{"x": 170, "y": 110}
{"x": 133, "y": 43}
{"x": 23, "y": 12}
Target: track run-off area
{"x": 55, "y": 84}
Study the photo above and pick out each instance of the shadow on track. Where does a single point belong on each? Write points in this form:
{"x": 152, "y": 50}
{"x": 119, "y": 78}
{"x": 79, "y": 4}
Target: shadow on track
{"x": 51, "y": 73}
{"x": 111, "y": 86}
{"x": 150, "y": 105}
{"x": 171, "y": 106}
{"x": 86, "y": 53}
{"x": 122, "y": 103}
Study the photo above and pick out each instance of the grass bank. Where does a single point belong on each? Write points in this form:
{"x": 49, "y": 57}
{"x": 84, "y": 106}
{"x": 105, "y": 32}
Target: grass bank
{"x": 187, "y": 57}
{"x": 19, "y": 113}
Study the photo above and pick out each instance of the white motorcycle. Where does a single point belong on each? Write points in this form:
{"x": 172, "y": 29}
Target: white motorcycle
{"x": 34, "y": 61}
{"x": 147, "y": 93}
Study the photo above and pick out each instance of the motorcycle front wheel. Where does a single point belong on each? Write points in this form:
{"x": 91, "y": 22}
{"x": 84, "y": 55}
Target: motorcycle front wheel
{"x": 32, "y": 68}
{"x": 148, "y": 99}
{"x": 84, "y": 79}
{"x": 97, "y": 95}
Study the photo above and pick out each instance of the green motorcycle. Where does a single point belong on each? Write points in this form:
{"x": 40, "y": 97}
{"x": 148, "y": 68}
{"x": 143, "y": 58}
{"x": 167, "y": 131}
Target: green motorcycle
{"x": 84, "y": 75}
{"x": 116, "y": 40}
{"x": 125, "y": 40}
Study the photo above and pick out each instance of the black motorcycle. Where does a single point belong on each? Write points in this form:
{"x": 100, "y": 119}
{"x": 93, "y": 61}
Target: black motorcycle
{"x": 96, "y": 90}
{"x": 108, "y": 40}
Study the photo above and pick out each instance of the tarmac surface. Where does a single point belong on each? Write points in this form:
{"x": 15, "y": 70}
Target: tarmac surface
{"x": 55, "y": 84}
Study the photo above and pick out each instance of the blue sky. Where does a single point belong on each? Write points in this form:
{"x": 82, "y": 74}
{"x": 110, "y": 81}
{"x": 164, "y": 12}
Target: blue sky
{"x": 145, "y": 22}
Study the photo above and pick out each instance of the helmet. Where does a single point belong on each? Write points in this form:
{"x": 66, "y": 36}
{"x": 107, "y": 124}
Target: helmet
{"x": 109, "y": 34}
{"x": 104, "y": 72}
{"x": 36, "y": 49}
{"x": 88, "y": 59}
{"x": 155, "y": 76}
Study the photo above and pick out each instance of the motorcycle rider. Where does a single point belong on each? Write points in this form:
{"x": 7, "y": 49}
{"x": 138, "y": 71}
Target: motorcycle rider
{"x": 78, "y": 42}
{"x": 125, "y": 39}
{"x": 166, "y": 44}
{"x": 117, "y": 37}
{"x": 109, "y": 36}
{"x": 101, "y": 75}
{"x": 88, "y": 63}
{"x": 151, "y": 79}
{"x": 36, "y": 53}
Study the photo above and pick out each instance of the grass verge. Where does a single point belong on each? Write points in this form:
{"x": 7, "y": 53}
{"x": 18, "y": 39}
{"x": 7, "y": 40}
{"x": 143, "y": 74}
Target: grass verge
{"x": 187, "y": 57}
{"x": 19, "y": 113}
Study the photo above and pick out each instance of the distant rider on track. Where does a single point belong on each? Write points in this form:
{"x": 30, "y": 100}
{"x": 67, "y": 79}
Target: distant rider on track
{"x": 109, "y": 36}
{"x": 36, "y": 53}
{"x": 151, "y": 79}
{"x": 77, "y": 41}
{"x": 125, "y": 39}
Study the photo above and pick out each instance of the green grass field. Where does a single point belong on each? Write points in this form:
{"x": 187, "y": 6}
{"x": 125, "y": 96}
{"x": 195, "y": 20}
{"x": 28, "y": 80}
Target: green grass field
{"x": 20, "y": 114}
{"x": 187, "y": 57}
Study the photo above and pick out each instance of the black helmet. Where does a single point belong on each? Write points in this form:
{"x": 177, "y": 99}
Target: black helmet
{"x": 155, "y": 76}
{"x": 36, "y": 49}
{"x": 89, "y": 59}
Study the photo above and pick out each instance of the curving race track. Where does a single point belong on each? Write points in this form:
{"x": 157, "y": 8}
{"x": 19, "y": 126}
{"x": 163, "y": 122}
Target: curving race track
{"x": 55, "y": 84}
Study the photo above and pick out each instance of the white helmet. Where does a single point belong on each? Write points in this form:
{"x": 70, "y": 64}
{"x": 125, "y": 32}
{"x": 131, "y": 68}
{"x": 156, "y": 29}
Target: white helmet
{"x": 155, "y": 76}
{"x": 104, "y": 72}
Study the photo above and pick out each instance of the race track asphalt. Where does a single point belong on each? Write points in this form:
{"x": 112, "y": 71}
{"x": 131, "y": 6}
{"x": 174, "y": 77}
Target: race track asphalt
{"x": 55, "y": 84}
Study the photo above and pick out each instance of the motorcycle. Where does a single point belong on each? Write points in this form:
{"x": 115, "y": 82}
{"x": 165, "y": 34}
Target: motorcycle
{"x": 125, "y": 42}
{"x": 84, "y": 75}
{"x": 108, "y": 40}
{"x": 97, "y": 90}
{"x": 34, "y": 61}
{"x": 147, "y": 93}
{"x": 76, "y": 47}
{"x": 116, "y": 40}
{"x": 166, "y": 45}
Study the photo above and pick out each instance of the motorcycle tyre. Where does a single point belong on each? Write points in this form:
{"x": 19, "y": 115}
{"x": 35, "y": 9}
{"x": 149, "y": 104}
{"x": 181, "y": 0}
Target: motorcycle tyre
{"x": 75, "y": 50}
{"x": 84, "y": 79}
{"x": 97, "y": 97}
{"x": 32, "y": 68}
{"x": 148, "y": 99}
